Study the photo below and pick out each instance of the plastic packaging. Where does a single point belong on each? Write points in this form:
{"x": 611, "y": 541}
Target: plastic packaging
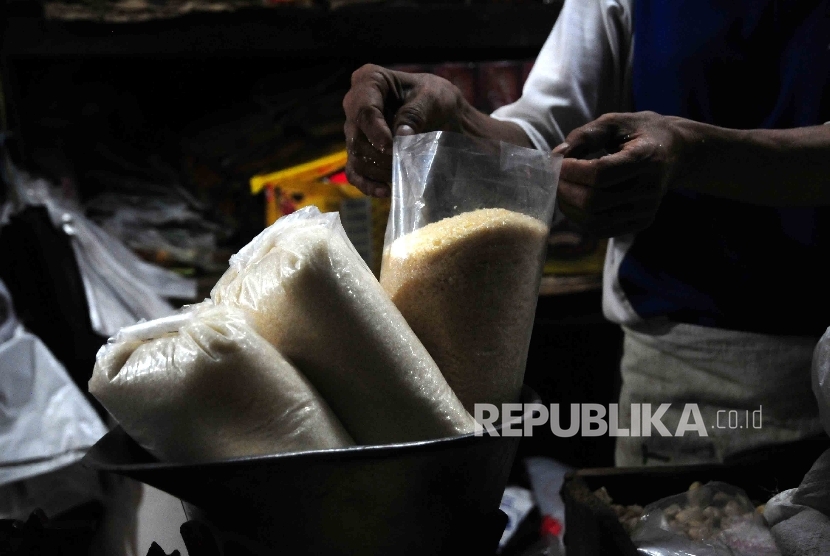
{"x": 464, "y": 251}
{"x": 310, "y": 294}
{"x": 550, "y": 539}
{"x": 165, "y": 227}
{"x": 8, "y": 320}
{"x": 547, "y": 476}
{"x": 45, "y": 421}
{"x": 202, "y": 385}
{"x": 821, "y": 378}
{"x": 715, "y": 519}
{"x": 516, "y": 503}
{"x": 800, "y": 517}
{"x": 120, "y": 288}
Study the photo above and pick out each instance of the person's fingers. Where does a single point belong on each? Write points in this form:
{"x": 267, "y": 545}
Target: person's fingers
{"x": 404, "y": 129}
{"x": 369, "y": 167}
{"x": 561, "y": 148}
{"x": 594, "y": 199}
{"x": 412, "y": 117}
{"x": 365, "y": 104}
{"x": 367, "y": 186}
{"x": 591, "y": 137}
{"x": 429, "y": 104}
{"x": 361, "y": 147}
{"x": 636, "y": 158}
{"x": 365, "y": 168}
{"x": 367, "y": 161}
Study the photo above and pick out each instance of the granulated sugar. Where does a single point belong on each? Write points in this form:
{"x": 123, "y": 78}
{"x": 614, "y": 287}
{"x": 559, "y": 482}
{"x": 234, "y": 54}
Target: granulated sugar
{"x": 468, "y": 286}
{"x": 310, "y": 294}
{"x": 204, "y": 386}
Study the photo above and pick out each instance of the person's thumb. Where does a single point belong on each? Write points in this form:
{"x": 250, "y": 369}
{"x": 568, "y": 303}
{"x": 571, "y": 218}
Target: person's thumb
{"x": 413, "y": 117}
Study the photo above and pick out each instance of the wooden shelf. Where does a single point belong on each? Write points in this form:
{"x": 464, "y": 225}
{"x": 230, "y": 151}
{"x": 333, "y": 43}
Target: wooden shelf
{"x": 415, "y": 31}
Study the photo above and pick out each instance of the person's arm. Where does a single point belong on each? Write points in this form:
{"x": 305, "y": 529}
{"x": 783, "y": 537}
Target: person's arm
{"x": 776, "y": 167}
{"x": 649, "y": 154}
{"x": 581, "y": 72}
{"x": 381, "y": 100}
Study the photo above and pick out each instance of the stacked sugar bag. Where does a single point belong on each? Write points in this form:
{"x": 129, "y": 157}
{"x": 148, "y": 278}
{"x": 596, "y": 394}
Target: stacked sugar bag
{"x": 311, "y": 295}
{"x": 203, "y": 385}
{"x": 300, "y": 348}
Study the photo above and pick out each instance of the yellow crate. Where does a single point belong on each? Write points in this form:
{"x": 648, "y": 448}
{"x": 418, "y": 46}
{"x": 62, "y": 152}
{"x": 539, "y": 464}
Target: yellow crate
{"x": 364, "y": 218}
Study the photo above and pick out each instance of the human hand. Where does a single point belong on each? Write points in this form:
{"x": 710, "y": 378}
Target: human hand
{"x": 382, "y": 100}
{"x": 621, "y": 191}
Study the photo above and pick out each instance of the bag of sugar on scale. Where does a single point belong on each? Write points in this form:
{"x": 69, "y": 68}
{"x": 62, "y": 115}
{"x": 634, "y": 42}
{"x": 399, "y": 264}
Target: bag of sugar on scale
{"x": 309, "y": 293}
{"x": 464, "y": 251}
{"x": 201, "y": 385}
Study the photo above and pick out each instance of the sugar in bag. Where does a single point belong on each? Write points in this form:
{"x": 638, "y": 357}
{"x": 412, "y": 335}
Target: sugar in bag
{"x": 467, "y": 285}
{"x": 464, "y": 251}
{"x": 308, "y": 292}
{"x": 202, "y": 385}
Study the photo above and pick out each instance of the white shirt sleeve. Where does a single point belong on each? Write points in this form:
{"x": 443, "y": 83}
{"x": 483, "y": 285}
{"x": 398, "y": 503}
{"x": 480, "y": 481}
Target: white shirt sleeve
{"x": 582, "y": 72}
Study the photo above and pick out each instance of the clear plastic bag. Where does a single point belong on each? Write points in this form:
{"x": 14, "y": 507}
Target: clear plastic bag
{"x": 120, "y": 287}
{"x": 821, "y": 378}
{"x": 202, "y": 385}
{"x": 310, "y": 294}
{"x": 45, "y": 421}
{"x": 715, "y": 519}
{"x": 800, "y": 517}
{"x": 442, "y": 174}
{"x": 464, "y": 252}
{"x": 161, "y": 223}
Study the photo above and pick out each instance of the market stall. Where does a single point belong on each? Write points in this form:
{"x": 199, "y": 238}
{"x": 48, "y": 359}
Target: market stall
{"x": 412, "y": 278}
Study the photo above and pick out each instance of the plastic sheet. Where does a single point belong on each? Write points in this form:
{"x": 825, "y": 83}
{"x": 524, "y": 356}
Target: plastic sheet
{"x": 465, "y": 243}
{"x": 202, "y": 385}
{"x": 715, "y": 519}
{"x": 821, "y": 378}
{"x": 310, "y": 294}
{"x": 120, "y": 288}
{"x": 8, "y": 320}
{"x": 45, "y": 420}
{"x": 800, "y": 517}
{"x": 160, "y": 224}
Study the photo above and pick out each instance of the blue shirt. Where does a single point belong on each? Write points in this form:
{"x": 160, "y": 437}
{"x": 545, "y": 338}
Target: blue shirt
{"x": 741, "y": 64}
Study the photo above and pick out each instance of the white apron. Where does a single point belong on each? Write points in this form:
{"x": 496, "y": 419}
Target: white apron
{"x": 729, "y": 375}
